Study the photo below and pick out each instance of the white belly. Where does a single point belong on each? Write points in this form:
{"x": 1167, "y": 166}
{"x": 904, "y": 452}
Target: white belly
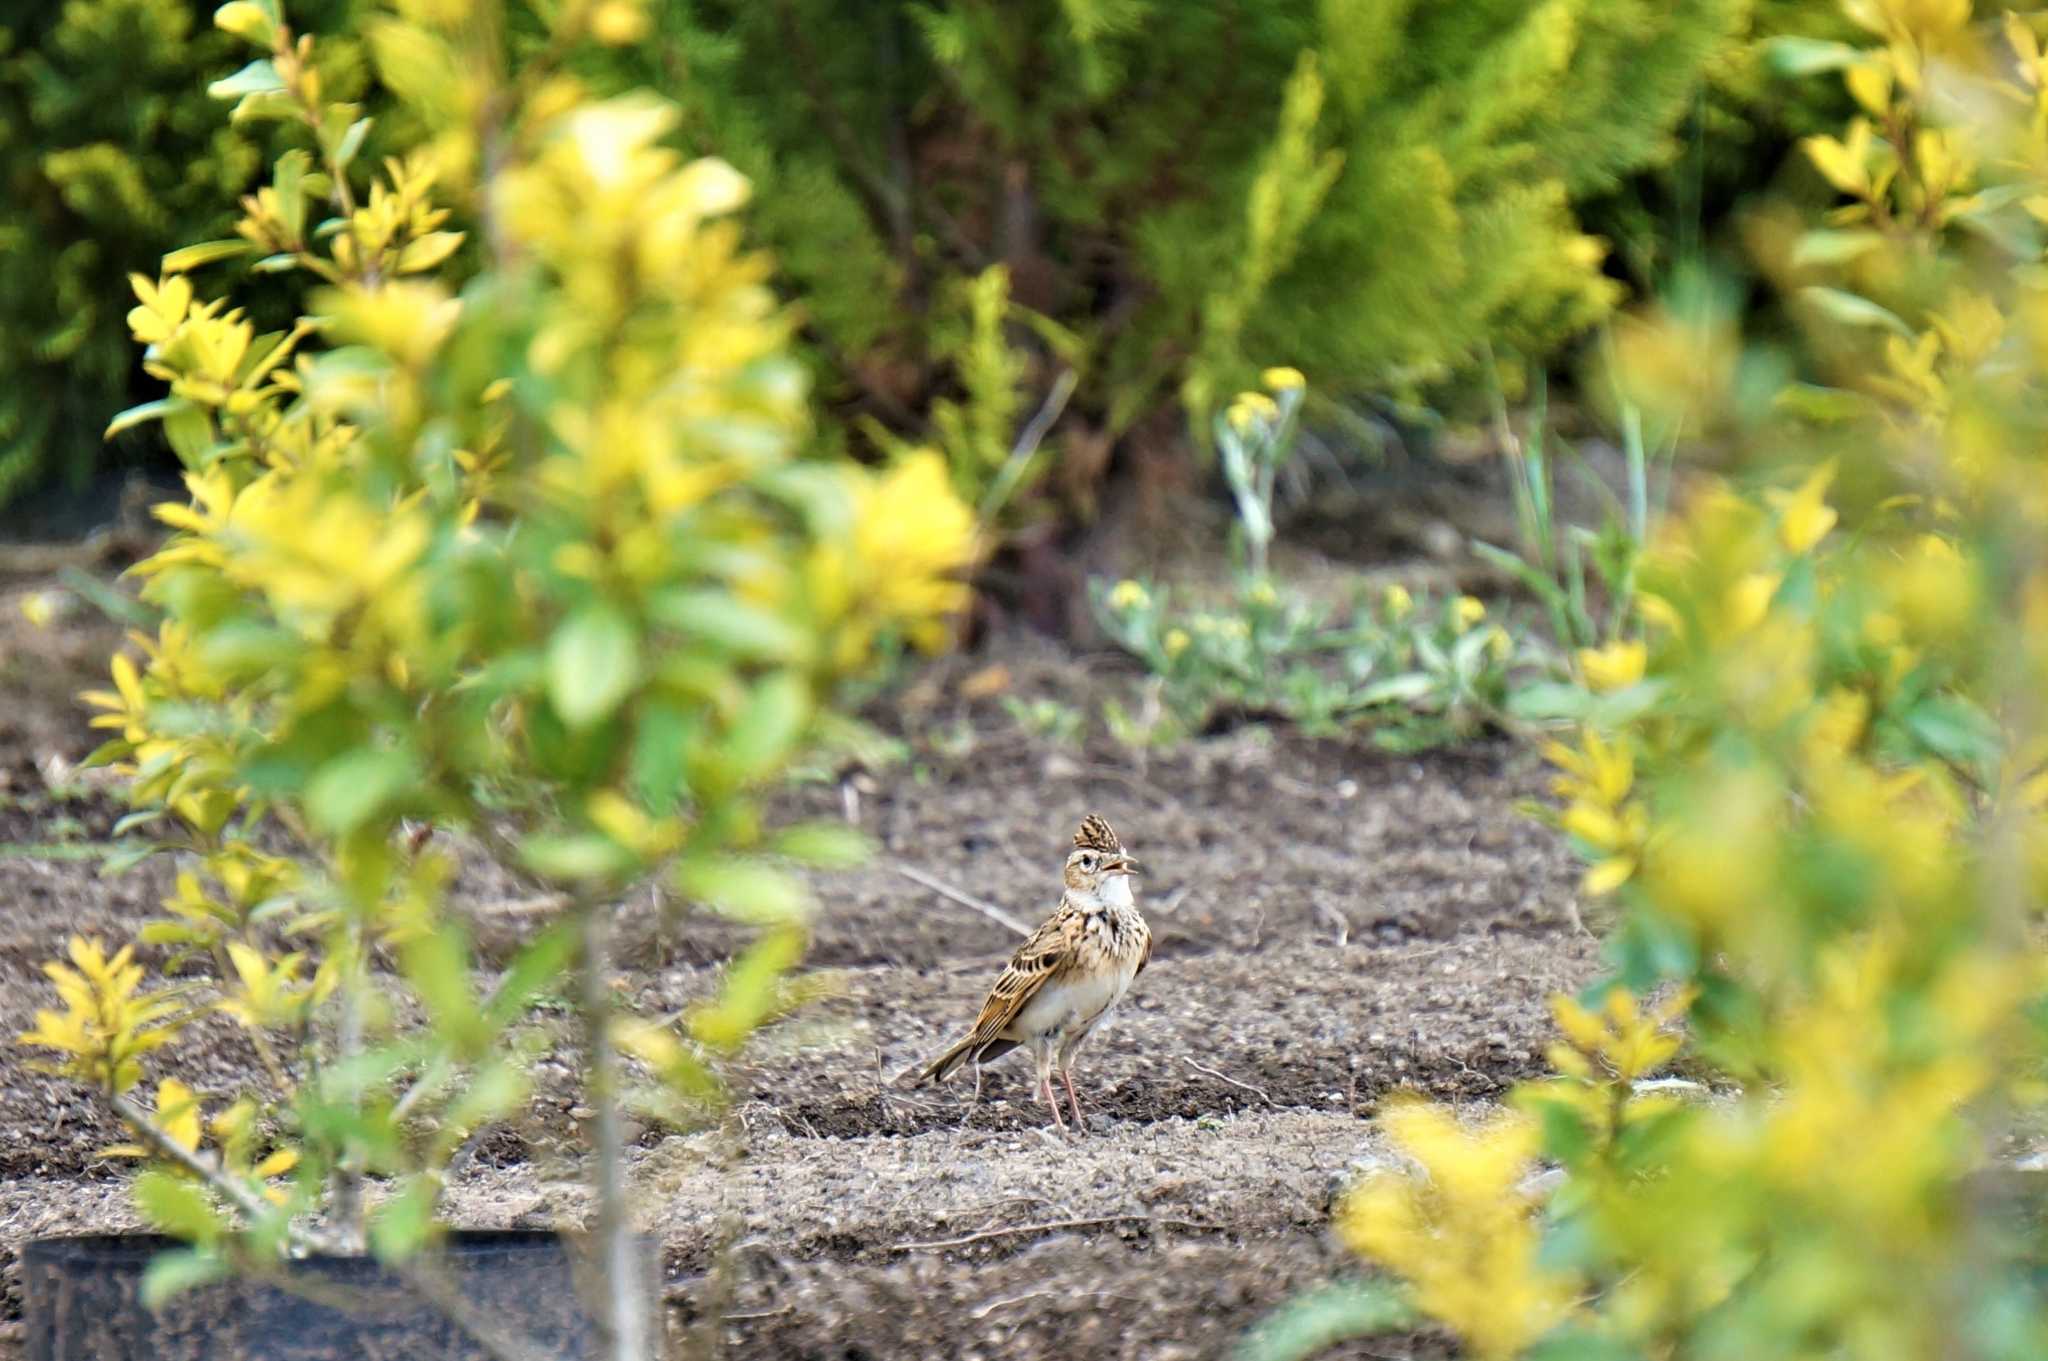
{"x": 1067, "y": 1005}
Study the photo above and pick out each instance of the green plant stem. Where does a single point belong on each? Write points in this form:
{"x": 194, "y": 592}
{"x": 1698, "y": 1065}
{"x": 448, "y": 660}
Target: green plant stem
{"x": 232, "y": 1189}
{"x": 625, "y": 1316}
{"x": 348, "y": 1172}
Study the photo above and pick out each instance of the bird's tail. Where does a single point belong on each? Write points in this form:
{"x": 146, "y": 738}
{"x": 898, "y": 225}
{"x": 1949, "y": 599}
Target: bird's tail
{"x": 966, "y": 1051}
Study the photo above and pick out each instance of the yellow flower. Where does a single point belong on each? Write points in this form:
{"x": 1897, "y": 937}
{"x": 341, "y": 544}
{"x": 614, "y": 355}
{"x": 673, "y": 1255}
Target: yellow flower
{"x": 1397, "y": 603}
{"x": 1251, "y": 408}
{"x": 1283, "y": 379}
{"x": 39, "y": 608}
{"x": 1467, "y": 612}
{"x": 1613, "y": 667}
{"x": 1804, "y": 516}
{"x": 1128, "y": 595}
{"x": 1175, "y": 642}
{"x": 1500, "y": 645}
{"x": 1262, "y": 593}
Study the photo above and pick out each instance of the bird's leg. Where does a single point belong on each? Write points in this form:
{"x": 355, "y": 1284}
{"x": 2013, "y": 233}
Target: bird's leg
{"x": 1067, "y": 1053}
{"x": 1073, "y": 1102}
{"x": 1052, "y": 1104}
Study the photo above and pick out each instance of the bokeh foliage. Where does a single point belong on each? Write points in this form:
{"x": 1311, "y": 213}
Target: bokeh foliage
{"x": 1822, "y": 817}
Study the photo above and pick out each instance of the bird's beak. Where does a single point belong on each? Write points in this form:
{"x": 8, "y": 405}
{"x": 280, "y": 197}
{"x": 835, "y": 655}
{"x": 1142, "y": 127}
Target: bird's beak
{"x": 1123, "y": 864}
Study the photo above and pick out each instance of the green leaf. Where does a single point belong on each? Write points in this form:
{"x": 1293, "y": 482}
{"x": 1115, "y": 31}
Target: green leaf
{"x": 190, "y": 431}
{"x": 768, "y": 727}
{"x": 1549, "y": 699}
{"x": 746, "y": 890}
{"x": 1955, "y": 731}
{"x": 169, "y": 933}
{"x": 664, "y": 740}
{"x": 177, "y": 1206}
{"x": 247, "y": 21}
{"x": 125, "y": 856}
{"x": 265, "y": 104}
{"x": 1312, "y": 1323}
{"x": 1409, "y": 685}
{"x": 1794, "y": 56}
{"x": 593, "y": 664}
{"x": 1825, "y": 405}
{"x": 351, "y": 142}
{"x": 258, "y": 77}
{"x": 203, "y": 253}
{"x": 147, "y": 411}
{"x": 1852, "y": 310}
{"x": 494, "y": 1090}
{"x": 543, "y": 960}
{"x": 1824, "y": 247}
{"x": 826, "y": 845}
{"x": 400, "y": 1226}
{"x": 353, "y": 788}
{"x": 578, "y": 859}
{"x": 753, "y": 993}
{"x": 436, "y": 963}
{"x": 718, "y": 618}
{"x": 174, "y": 1272}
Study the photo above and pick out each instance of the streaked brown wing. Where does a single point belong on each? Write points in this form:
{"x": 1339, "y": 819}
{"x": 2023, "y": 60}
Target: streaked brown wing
{"x": 1144, "y": 955}
{"x": 1043, "y": 955}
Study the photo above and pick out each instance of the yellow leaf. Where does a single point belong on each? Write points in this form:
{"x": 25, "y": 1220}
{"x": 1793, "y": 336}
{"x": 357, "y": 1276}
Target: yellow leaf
{"x": 278, "y": 1163}
{"x": 1616, "y": 666}
{"x": 177, "y": 1113}
{"x": 1804, "y": 516}
{"x": 428, "y": 251}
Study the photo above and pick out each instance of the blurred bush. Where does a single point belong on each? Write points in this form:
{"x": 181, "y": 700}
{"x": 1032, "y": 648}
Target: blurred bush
{"x": 1823, "y": 816}
{"x": 1373, "y": 190}
{"x": 110, "y": 154}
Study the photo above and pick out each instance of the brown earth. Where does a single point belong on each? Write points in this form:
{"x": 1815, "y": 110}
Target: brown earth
{"x": 1332, "y": 923}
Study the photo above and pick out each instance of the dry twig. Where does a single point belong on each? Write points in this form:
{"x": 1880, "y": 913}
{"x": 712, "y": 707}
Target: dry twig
{"x": 960, "y": 896}
{"x": 1223, "y": 1077}
{"x": 1052, "y": 1225}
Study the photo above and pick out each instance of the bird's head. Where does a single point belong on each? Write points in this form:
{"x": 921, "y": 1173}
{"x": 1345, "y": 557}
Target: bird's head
{"x": 1098, "y": 867}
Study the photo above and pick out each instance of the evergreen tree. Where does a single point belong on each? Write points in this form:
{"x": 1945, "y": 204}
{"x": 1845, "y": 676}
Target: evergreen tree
{"x": 1377, "y": 191}
{"x": 111, "y": 153}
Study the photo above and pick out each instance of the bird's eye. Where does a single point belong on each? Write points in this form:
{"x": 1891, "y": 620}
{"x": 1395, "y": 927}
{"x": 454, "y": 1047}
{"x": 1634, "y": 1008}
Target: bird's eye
{"x": 1087, "y": 862}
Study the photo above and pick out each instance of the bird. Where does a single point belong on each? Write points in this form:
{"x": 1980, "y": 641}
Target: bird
{"x": 1066, "y": 977}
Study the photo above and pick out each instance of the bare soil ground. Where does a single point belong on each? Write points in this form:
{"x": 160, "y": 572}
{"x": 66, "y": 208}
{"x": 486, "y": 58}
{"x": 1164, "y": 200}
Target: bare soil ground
{"x": 1332, "y": 924}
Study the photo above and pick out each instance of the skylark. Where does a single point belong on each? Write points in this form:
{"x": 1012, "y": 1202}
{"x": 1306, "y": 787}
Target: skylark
{"x": 1064, "y": 979}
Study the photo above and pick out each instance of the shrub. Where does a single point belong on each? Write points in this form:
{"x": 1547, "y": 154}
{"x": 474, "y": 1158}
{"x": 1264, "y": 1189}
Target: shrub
{"x": 1827, "y": 832}
{"x": 110, "y": 155}
{"x": 530, "y": 556}
{"x": 1376, "y": 191}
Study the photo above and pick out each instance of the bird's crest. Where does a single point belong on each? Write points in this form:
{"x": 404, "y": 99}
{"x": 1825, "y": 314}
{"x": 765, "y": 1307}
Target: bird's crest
{"x": 1096, "y": 835}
